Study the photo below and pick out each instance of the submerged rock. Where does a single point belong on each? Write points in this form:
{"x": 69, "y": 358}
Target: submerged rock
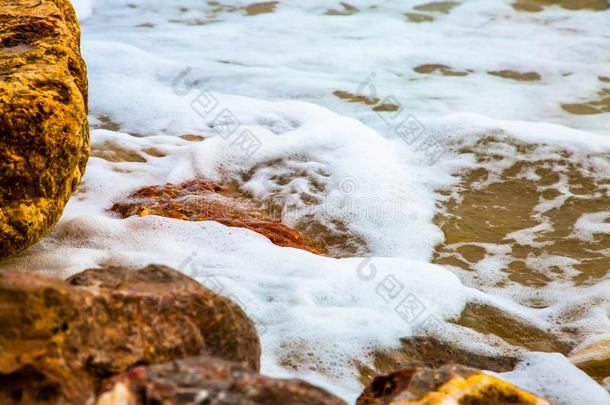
{"x": 535, "y": 6}
{"x": 59, "y": 340}
{"x": 450, "y": 385}
{"x": 210, "y": 381}
{"x": 442, "y": 69}
{"x": 203, "y": 200}
{"x": 514, "y": 75}
{"x": 44, "y": 141}
{"x": 427, "y": 351}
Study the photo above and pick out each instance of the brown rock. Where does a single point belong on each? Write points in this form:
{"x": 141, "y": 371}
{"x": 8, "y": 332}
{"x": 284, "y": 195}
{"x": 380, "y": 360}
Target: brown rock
{"x": 210, "y": 381}
{"x": 203, "y": 200}
{"x": 69, "y": 336}
{"x": 535, "y": 6}
{"x": 514, "y": 75}
{"x": 593, "y": 359}
{"x": 427, "y": 351}
{"x": 450, "y": 384}
{"x": 442, "y": 69}
{"x": 44, "y": 141}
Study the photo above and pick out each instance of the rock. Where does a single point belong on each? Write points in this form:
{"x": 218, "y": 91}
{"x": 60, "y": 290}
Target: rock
{"x": 69, "y": 336}
{"x": 514, "y": 75}
{"x": 427, "y": 351}
{"x": 449, "y": 384}
{"x": 536, "y": 6}
{"x": 44, "y": 144}
{"x": 210, "y": 381}
{"x": 593, "y": 359}
{"x": 203, "y": 200}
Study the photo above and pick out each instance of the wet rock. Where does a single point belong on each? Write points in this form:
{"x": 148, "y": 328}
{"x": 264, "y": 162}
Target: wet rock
{"x": 535, "y": 6}
{"x": 593, "y": 359}
{"x": 442, "y": 69}
{"x": 210, "y": 381}
{"x": 597, "y": 106}
{"x": 355, "y": 98}
{"x": 202, "y": 200}
{"x": 437, "y": 6}
{"x": 347, "y": 9}
{"x": 514, "y": 330}
{"x": 427, "y": 351}
{"x": 419, "y": 18}
{"x": 450, "y": 384}
{"x": 45, "y": 136}
{"x": 498, "y": 198}
{"x": 193, "y": 138}
{"x": 514, "y": 75}
{"x": 379, "y": 106}
{"x": 261, "y": 8}
{"x": 69, "y": 336}
{"x": 115, "y": 152}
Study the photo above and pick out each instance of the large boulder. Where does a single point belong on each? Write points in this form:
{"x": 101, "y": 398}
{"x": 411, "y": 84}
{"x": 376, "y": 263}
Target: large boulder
{"x": 60, "y": 340}
{"x": 44, "y": 134}
{"x": 448, "y": 385}
{"x": 210, "y": 381}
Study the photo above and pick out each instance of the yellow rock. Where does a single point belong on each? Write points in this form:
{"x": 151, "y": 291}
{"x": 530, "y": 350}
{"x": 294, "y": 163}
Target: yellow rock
{"x": 44, "y": 134}
{"x": 450, "y": 384}
{"x": 479, "y": 389}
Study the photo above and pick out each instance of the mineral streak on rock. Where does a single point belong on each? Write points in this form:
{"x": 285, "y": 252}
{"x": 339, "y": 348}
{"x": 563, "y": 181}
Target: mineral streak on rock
{"x": 44, "y": 134}
{"x": 448, "y": 385}
{"x": 60, "y": 340}
{"x": 207, "y": 380}
{"x": 203, "y": 200}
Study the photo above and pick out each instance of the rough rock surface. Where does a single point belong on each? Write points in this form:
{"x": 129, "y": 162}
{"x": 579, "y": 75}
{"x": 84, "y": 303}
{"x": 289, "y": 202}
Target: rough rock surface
{"x": 203, "y": 200}
{"x": 44, "y": 134}
{"x": 59, "y": 340}
{"x": 450, "y": 384}
{"x": 210, "y": 381}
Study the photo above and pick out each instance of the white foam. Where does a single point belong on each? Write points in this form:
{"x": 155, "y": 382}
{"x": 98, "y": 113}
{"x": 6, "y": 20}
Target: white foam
{"x": 590, "y": 224}
{"x": 553, "y": 377}
{"x": 84, "y": 8}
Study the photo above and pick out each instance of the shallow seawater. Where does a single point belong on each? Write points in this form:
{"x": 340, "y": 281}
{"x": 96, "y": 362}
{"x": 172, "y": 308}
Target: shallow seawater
{"x": 453, "y": 158}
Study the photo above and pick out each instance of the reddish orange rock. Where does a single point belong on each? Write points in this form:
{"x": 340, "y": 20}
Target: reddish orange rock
{"x": 203, "y": 200}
